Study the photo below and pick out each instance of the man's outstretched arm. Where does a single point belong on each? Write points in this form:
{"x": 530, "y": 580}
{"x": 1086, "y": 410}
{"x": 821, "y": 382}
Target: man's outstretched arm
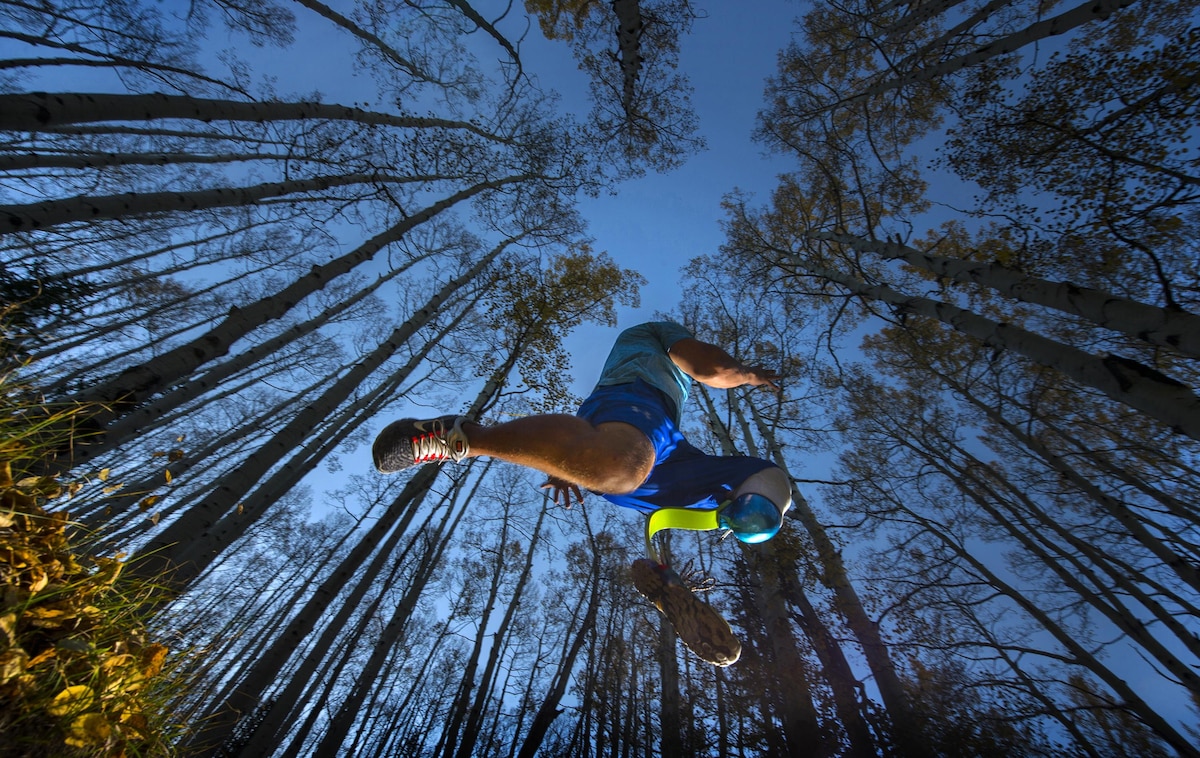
{"x": 712, "y": 366}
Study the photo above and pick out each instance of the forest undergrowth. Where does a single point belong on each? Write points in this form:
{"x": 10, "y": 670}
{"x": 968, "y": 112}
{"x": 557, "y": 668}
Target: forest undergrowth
{"x": 80, "y": 674}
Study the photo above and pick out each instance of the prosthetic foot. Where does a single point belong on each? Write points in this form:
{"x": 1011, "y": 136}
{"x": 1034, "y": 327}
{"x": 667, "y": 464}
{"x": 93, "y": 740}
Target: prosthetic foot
{"x": 699, "y": 626}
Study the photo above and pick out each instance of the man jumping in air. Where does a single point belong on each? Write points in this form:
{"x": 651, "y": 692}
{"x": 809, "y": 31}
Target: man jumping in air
{"x": 624, "y": 443}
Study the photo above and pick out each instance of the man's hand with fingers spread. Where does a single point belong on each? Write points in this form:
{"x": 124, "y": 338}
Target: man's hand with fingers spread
{"x": 562, "y": 491}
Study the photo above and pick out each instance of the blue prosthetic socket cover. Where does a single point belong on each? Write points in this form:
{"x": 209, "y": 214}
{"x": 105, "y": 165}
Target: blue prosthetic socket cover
{"x": 752, "y": 518}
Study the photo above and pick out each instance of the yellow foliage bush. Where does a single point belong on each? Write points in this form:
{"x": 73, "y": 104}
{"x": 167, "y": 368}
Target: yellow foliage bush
{"x": 79, "y": 675}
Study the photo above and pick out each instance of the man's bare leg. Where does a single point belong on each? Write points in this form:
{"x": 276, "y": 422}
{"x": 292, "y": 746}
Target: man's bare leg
{"x": 612, "y": 457}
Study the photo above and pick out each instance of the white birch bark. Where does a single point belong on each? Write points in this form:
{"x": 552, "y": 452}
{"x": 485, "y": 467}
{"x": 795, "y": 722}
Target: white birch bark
{"x": 1173, "y": 329}
{"x": 51, "y": 213}
{"x": 380, "y": 541}
{"x": 1184, "y": 569}
{"x": 1092, "y": 10}
{"x": 137, "y": 383}
{"x": 39, "y": 111}
{"x": 1078, "y": 653}
{"x": 186, "y": 548}
{"x": 848, "y": 604}
{"x": 136, "y": 422}
{"x": 1127, "y": 382}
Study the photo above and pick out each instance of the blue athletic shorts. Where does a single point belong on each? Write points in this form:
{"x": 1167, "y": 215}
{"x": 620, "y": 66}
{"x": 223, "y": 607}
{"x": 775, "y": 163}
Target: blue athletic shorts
{"x": 683, "y": 475}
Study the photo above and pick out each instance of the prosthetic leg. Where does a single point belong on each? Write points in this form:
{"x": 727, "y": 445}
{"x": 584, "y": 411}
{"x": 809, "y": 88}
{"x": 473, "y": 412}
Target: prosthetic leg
{"x": 698, "y": 625}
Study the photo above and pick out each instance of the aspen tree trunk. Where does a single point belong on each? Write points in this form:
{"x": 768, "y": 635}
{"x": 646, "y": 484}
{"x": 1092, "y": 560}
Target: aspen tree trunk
{"x": 385, "y": 646}
{"x": 548, "y": 709}
{"x": 1173, "y": 505}
{"x": 795, "y": 701}
{"x": 31, "y": 161}
{"x": 51, "y": 213}
{"x": 114, "y": 511}
{"x": 114, "y": 322}
{"x": 1183, "y": 568}
{"x": 134, "y": 385}
{"x": 1120, "y": 575}
{"x": 243, "y": 228}
{"x": 918, "y": 14}
{"x": 1036, "y": 689}
{"x": 416, "y": 690}
{"x": 249, "y": 693}
{"x": 670, "y": 715}
{"x": 1079, "y": 654}
{"x": 244, "y": 658}
{"x": 219, "y": 725}
{"x": 324, "y": 665}
{"x": 1166, "y": 327}
{"x": 474, "y": 719}
{"x": 779, "y": 572}
{"x": 1092, "y": 10}
{"x": 294, "y": 697}
{"x": 189, "y": 544}
{"x": 463, "y": 698}
{"x": 629, "y": 32}
{"x": 1069, "y": 571}
{"x": 321, "y": 444}
{"x": 133, "y": 423}
{"x": 908, "y": 730}
{"x": 1124, "y": 381}
{"x": 42, "y": 111}
{"x": 372, "y": 40}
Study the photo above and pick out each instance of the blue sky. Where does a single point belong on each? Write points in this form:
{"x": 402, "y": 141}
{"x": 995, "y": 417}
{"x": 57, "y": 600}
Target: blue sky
{"x": 658, "y": 223}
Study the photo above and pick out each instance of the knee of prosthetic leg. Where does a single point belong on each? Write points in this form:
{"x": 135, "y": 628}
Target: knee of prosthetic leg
{"x": 755, "y": 514}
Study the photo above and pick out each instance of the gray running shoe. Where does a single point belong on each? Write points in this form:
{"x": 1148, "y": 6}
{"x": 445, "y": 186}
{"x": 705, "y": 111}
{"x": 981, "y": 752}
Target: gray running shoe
{"x": 411, "y": 442}
{"x": 700, "y": 627}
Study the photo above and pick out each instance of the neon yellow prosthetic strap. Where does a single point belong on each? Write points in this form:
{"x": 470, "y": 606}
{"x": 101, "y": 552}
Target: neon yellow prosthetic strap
{"x": 678, "y": 518}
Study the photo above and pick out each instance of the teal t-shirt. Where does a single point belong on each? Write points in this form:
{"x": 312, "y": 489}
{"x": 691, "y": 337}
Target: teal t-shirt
{"x": 641, "y": 353}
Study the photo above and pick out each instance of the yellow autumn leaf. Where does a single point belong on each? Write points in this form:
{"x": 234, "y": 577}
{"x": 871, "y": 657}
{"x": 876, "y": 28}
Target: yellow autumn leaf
{"x": 152, "y": 659}
{"x": 13, "y": 664}
{"x": 175, "y": 455}
{"x": 8, "y": 629}
{"x": 73, "y": 699}
{"x": 89, "y": 729}
{"x": 137, "y": 722}
{"x": 114, "y": 662}
{"x": 103, "y": 474}
{"x": 49, "y": 617}
{"x": 168, "y": 473}
{"x": 39, "y": 581}
{"x": 109, "y": 570}
{"x": 148, "y": 502}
